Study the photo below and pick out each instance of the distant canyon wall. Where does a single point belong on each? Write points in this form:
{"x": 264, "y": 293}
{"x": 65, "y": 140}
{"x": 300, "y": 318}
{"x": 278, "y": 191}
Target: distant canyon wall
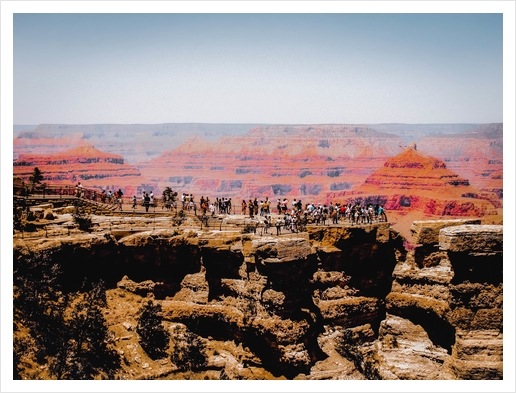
{"x": 241, "y": 161}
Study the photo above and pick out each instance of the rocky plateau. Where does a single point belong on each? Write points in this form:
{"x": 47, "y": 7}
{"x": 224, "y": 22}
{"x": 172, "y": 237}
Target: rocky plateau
{"x": 334, "y": 302}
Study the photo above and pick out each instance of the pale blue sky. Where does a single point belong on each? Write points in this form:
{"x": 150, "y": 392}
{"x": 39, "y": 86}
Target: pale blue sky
{"x": 261, "y": 68}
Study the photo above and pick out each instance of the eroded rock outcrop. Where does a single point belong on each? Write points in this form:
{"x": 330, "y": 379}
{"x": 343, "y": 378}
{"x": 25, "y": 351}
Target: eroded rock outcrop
{"x": 476, "y": 155}
{"x": 451, "y": 287}
{"x": 414, "y": 181}
{"x": 330, "y": 303}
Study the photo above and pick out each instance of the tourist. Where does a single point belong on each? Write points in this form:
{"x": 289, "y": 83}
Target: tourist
{"x": 251, "y": 208}
{"x": 146, "y": 202}
{"x": 294, "y": 224}
{"x": 266, "y": 224}
{"x": 278, "y": 226}
{"x": 381, "y": 214}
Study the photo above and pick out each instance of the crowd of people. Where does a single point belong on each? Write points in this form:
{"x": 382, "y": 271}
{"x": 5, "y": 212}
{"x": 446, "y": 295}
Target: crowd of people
{"x": 354, "y": 213}
{"x": 295, "y": 216}
{"x": 290, "y": 215}
{"x": 108, "y": 197}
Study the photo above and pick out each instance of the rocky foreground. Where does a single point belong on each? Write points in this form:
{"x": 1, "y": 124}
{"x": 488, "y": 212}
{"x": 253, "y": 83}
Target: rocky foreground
{"x": 334, "y": 302}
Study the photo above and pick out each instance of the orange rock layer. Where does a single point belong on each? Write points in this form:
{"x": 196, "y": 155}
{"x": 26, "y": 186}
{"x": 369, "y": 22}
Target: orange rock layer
{"x": 85, "y": 164}
{"x": 274, "y": 161}
{"x": 414, "y": 181}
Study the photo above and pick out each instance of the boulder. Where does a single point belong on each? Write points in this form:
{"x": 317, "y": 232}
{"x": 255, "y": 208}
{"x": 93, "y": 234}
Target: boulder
{"x": 479, "y": 239}
{"x": 48, "y": 214}
{"x": 427, "y": 232}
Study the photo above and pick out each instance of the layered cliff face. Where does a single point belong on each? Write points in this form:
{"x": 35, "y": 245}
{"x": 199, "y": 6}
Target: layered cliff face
{"x": 476, "y": 155}
{"x": 331, "y": 303}
{"x": 84, "y": 164}
{"x": 414, "y": 181}
{"x": 275, "y": 161}
{"x": 451, "y": 285}
{"x": 314, "y": 163}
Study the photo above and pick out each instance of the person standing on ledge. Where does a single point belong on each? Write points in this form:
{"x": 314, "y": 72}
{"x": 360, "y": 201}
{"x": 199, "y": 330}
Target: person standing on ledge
{"x": 146, "y": 202}
{"x": 381, "y": 214}
{"x": 278, "y": 226}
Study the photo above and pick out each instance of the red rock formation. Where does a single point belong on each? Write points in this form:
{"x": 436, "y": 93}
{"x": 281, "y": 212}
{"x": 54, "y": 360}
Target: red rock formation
{"x": 275, "y": 161}
{"x": 92, "y": 167}
{"x": 476, "y": 155}
{"x": 314, "y": 163}
{"x": 413, "y": 181}
{"x": 136, "y": 142}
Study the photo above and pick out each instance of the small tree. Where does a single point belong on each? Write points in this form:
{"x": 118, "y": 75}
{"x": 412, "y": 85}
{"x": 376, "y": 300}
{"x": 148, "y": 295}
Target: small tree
{"x": 87, "y": 350}
{"x": 169, "y": 196}
{"x": 154, "y": 339}
{"x": 189, "y": 351}
{"x": 81, "y": 218}
{"x": 35, "y": 178}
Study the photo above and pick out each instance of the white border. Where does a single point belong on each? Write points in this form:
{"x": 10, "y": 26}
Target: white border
{"x": 8, "y": 8}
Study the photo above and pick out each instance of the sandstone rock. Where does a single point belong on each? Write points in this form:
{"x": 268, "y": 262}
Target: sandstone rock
{"x": 249, "y": 164}
{"x": 478, "y": 354}
{"x": 477, "y": 239}
{"x": 407, "y": 301}
{"x": 405, "y": 351}
{"x": 414, "y": 181}
{"x": 89, "y": 165}
{"x": 334, "y": 279}
{"x": 426, "y": 257}
{"x": 128, "y": 325}
{"x": 349, "y": 311}
{"x": 141, "y": 288}
{"x": 427, "y": 232}
{"x": 273, "y": 250}
{"x": 48, "y": 214}
{"x": 36, "y": 212}
{"x": 64, "y": 210}
{"x": 307, "y": 296}
{"x": 43, "y": 206}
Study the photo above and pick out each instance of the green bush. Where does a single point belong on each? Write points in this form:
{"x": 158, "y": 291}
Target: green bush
{"x": 154, "y": 339}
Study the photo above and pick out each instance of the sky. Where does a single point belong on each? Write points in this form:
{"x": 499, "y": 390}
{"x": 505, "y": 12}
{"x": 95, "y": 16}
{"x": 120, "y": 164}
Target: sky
{"x": 87, "y": 68}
